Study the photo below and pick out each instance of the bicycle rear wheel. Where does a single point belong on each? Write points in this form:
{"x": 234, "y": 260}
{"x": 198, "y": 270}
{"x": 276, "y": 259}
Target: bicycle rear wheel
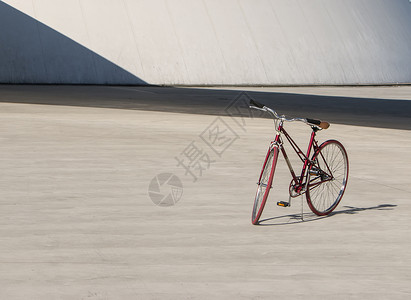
{"x": 327, "y": 178}
{"x": 264, "y": 184}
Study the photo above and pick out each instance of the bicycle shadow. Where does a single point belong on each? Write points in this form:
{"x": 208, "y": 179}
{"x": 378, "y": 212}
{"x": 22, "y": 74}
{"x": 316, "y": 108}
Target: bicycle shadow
{"x": 309, "y": 216}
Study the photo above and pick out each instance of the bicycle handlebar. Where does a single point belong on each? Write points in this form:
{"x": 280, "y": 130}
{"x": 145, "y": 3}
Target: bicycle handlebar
{"x": 321, "y": 124}
{"x": 256, "y": 104}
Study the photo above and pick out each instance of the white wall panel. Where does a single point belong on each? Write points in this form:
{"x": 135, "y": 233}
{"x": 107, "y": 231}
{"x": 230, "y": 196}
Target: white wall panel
{"x": 199, "y": 47}
{"x": 205, "y": 42}
{"x": 161, "y": 53}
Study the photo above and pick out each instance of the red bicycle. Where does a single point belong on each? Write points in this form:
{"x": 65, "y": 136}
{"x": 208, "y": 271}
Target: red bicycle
{"x": 323, "y": 177}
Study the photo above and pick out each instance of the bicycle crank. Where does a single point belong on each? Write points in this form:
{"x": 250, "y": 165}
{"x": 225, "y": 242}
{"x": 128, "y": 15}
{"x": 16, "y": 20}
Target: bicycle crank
{"x": 295, "y": 188}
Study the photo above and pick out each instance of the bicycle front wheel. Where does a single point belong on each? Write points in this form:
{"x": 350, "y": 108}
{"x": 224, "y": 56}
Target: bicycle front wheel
{"x": 327, "y": 178}
{"x": 264, "y": 184}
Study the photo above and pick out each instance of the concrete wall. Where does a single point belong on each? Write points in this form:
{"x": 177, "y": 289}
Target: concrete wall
{"x": 194, "y": 42}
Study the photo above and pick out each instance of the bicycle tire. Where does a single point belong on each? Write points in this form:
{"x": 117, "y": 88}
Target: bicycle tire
{"x": 265, "y": 180}
{"x": 327, "y": 178}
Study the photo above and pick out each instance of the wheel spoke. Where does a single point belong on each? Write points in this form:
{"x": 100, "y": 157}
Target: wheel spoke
{"x": 324, "y": 195}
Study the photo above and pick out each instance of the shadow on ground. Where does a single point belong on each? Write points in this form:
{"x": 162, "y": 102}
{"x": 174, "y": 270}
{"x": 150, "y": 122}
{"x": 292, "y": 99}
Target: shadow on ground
{"x": 384, "y": 113}
{"x": 308, "y": 217}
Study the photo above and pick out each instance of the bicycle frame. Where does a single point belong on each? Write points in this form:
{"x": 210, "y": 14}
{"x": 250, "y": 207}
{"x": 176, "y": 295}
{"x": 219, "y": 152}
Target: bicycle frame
{"x": 299, "y": 185}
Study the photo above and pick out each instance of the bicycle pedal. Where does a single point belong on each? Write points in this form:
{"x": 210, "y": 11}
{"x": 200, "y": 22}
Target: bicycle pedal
{"x": 283, "y": 203}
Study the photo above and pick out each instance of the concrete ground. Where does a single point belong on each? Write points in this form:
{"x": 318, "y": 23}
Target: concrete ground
{"x": 77, "y": 220}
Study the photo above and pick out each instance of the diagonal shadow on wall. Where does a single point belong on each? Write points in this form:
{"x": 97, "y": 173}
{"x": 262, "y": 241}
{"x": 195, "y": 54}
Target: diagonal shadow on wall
{"x": 31, "y": 52}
